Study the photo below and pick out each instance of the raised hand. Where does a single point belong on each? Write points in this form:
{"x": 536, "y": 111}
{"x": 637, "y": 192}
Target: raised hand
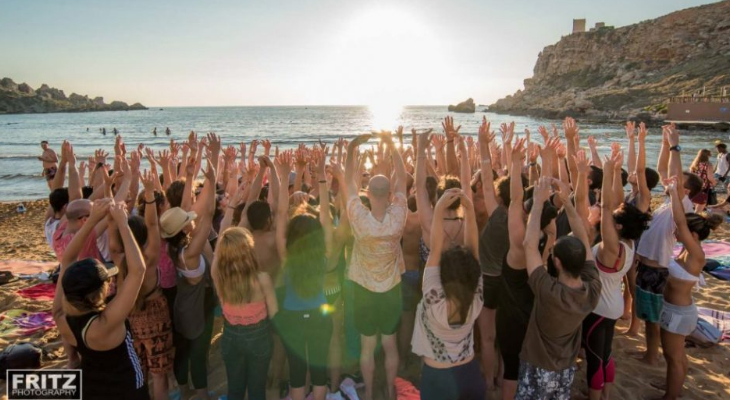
{"x": 448, "y": 198}
{"x": 134, "y": 163}
{"x": 210, "y": 172}
{"x": 642, "y": 132}
{"x": 518, "y": 150}
{"x": 118, "y": 211}
{"x": 542, "y": 130}
{"x": 581, "y": 162}
{"x": 563, "y": 191}
{"x": 542, "y": 190}
{"x": 423, "y": 140}
{"x": 449, "y": 129}
{"x": 438, "y": 141}
{"x": 592, "y": 142}
{"x": 267, "y": 146}
{"x": 359, "y": 140}
{"x": 630, "y": 130}
{"x": 672, "y": 134}
{"x": 283, "y": 164}
{"x": 148, "y": 181}
{"x": 570, "y": 128}
{"x": 507, "y": 131}
{"x": 100, "y": 208}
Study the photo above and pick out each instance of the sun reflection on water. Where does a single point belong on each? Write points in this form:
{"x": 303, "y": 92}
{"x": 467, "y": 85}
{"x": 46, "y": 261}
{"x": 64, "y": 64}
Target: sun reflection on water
{"x": 385, "y": 115}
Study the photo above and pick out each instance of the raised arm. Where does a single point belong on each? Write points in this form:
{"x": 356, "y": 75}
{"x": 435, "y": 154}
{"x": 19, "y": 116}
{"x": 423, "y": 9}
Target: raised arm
{"x": 152, "y": 250}
{"x": 516, "y": 212}
{"x": 117, "y": 311}
{"x": 531, "y": 243}
{"x": 675, "y": 159}
{"x": 571, "y": 134}
{"x": 486, "y": 137}
{"x": 205, "y": 218}
{"x": 680, "y": 220}
{"x": 471, "y": 230}
{"x": 464, "y": 168}
{"x": 283, "y": 168}
{"x": 352, "y": 166}
{"x": 74, "y": 183}
{"x": 71, "y": 255}
{"x": 324, "y": 201}
{"x": 576, "y": 222}
{"x": 423, "y": 202}
{"x": 643, "y": 200}
{"x": 595, "y": 157}
{"x": 663, "y": 161}
{"x": 609, "y": 247}
{"x": 60, "y": 177}
{"x": 452, "y": 133}
{"x": 437, "y": 229}
{"x": 401, "y": 178}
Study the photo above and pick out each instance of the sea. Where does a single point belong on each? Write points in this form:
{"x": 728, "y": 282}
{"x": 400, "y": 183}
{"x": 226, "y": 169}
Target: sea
{"x": 286, "y": 127}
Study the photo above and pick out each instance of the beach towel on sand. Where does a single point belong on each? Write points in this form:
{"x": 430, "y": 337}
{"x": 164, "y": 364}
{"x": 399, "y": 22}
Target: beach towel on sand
{"x": 41, "y": 291}
{"x": 405, "y": 390}
{"x": 14, "y": 323}
{"x": 19, "y": 267}
{"x": 719, "y": 319}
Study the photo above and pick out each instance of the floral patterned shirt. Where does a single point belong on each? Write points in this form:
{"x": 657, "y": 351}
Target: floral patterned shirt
{"x": 377, "y": 255}
{"x": 433, "y": 336}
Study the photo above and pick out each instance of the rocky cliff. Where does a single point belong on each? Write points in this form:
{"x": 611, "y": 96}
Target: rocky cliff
{"x": 22, "y": 99}
{"x": 629, "y": 71}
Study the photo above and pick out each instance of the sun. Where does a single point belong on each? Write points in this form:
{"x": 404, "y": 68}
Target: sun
{"x": 383, "y": 57}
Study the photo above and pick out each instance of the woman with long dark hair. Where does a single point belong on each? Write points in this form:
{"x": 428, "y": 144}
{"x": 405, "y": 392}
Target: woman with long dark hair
{"x": 304, "y": 322}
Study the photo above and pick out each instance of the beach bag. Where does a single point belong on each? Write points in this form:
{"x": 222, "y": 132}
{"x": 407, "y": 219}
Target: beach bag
{"x": 705, "y": 334}
{"x": 22, "y": 355}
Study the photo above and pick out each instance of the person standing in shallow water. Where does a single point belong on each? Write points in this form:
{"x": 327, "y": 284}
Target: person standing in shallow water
{"x": 50, "y": 163}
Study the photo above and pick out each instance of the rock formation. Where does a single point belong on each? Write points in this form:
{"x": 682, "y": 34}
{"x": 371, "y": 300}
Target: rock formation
{"x": 629, "y": 71}
{"x": 467, "y": 106}
{"x": 22, "y": 99}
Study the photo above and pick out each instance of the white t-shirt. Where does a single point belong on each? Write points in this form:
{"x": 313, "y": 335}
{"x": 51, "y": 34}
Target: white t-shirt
{"x": 433, "y": 336}
{"x": 50, "y": 228}
{"x": 722, "y": 164}
{"x": 657, "y": 242}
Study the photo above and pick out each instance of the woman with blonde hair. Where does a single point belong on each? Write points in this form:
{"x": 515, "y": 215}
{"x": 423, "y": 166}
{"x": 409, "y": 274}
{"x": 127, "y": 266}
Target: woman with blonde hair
{"x": 248, "y": 301}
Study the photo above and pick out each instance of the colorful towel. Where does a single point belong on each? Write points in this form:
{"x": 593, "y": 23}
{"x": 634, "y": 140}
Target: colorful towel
{"x": 19, "y": 267}
{"x": 21, "y": 323}
{"x": 405, "y": 390}
{"x": 41, "y": 291}
{"x": 720, "y": 319}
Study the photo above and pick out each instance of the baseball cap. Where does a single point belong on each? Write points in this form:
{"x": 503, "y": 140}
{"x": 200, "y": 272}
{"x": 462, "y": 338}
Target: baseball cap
{"x": 84, "y": 277}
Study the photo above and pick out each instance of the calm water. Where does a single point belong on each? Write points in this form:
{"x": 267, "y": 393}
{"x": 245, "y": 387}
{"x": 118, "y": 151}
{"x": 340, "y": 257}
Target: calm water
{"x": 20, "y": 135}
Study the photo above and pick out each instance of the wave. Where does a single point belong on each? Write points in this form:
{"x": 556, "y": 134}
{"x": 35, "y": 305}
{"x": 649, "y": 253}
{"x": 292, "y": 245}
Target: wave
{"x": 9, "y": 177}
{"x": 19, "y": 157}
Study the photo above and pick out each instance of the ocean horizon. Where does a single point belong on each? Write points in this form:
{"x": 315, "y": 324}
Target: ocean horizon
{"x": 285, "y": 126}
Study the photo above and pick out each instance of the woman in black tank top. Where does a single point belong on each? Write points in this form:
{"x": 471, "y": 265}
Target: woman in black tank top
{"x": 111, "y": 369}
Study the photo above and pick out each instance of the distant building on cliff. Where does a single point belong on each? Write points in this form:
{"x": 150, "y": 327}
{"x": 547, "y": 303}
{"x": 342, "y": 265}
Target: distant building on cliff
{"x": 579, "y": 25}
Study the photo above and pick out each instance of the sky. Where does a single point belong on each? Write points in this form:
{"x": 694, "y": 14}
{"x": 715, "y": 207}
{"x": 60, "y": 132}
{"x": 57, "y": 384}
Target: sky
{"x": 293, "y": 52}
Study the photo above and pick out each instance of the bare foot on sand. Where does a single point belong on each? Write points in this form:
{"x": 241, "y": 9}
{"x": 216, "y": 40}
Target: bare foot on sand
{"x": 630, "y": 332}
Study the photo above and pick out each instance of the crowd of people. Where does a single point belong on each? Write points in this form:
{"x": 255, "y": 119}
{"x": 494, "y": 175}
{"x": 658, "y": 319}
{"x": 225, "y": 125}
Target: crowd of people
{"x": 317, "y": 257}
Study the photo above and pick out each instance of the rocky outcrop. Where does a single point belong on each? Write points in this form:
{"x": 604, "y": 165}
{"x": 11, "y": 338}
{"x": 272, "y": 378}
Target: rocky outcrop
{"x": 467, "y": 106}
{"x": 22, "y": 99}
{"x": 629, "y": 71}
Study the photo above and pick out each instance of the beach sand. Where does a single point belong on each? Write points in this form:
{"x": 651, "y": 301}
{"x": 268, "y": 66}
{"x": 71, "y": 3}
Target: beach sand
{"x": 22, "y": 238}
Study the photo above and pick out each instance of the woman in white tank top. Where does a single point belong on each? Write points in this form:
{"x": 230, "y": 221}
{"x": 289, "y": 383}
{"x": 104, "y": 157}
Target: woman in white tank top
{"x": 620, "y": 227}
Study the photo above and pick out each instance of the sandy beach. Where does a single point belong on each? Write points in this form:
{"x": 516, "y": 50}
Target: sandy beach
{"x": 709, "y": 371}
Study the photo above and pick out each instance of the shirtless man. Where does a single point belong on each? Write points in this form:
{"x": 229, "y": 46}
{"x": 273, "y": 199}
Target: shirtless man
{"x": 50, "y": 163}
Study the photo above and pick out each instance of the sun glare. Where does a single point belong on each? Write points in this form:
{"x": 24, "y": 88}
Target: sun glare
{"x": 384, "y": 57}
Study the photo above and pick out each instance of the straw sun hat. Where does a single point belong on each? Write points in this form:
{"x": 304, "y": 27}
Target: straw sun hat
{"x": 174, "y": 220}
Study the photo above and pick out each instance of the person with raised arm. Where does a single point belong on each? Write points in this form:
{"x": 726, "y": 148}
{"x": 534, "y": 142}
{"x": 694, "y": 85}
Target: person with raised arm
{"x": 621, "y": 225}
{"x": 149, "y": 321}
{"x": 452, "y": 300}
{"x": 377, "y": 261}
{"x": 248, "y": 301}
{"x": 678, "y": 316}
{"x": 654, "y": 251}
{"x": 453, "y": 223}
{"x": 186, "y": 234}
{"x": 97, "y": 329}
{"x": 493, "y": 247}
{"x": 50, "y": 163}
{"x": 304, "y": 323}
{"x": 552, "y": 341}
{"x": 515, "y": 300}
